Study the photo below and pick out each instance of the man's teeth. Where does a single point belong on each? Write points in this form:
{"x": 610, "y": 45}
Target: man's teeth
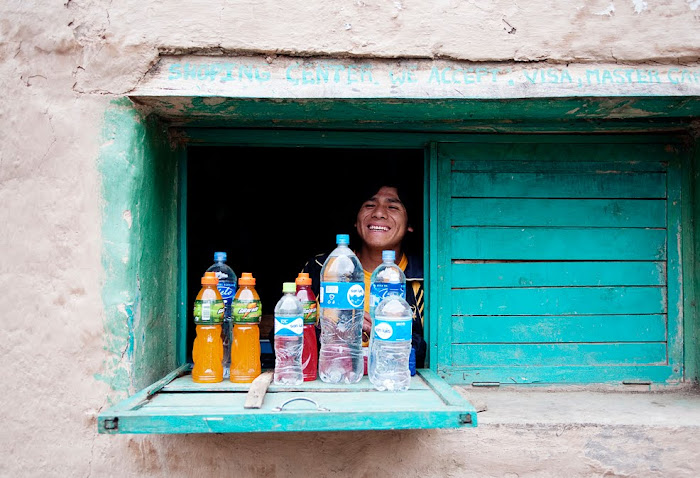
{"x": 378, "y": 228}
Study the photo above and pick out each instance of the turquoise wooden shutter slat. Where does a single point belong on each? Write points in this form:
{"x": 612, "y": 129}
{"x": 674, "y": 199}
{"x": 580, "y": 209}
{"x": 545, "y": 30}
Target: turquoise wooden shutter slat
{"x": 631, "y": 353}
{"x": 560, "y": 185}
{"x": 559, "y": 301}
{"x": 547, "y": 243}
{"x": 559, "y": 163}
{"x": 560, "y": 155}
{"x": 559, "y": 212}
{"x": 555, "y": 260}
{"x": 560, "y": 328}
{"x": 478, "y": 274}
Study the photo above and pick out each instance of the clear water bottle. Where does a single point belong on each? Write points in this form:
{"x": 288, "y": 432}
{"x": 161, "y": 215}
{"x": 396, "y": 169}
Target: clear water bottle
{"x": 289, "y": 341}
{"x": 390, "y": 344}
{"x": 341, "y": 311}
{"x": 227, "y": 289}
{"x": 387, "y": 277}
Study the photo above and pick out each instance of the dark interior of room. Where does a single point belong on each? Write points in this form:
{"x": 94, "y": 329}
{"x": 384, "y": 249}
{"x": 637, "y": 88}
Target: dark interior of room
{"x": 272, "y": 209}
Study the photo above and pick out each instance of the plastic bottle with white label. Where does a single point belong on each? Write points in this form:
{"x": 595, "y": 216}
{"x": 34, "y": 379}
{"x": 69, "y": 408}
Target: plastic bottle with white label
{"x": 386, "y": 278}
{"x": 341, "y": 311}
{"x": 289, "y": 339}
{"x": 390, "y": 344}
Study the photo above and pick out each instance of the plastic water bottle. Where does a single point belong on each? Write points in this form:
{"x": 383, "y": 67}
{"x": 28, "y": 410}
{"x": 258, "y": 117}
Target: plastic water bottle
{"x": 390, "y": 344}
{"x": 289, "y": 341}
{"x": 227, "y": 288}
{"x": 386, "y": 278}
{"x": 341, "y": 307}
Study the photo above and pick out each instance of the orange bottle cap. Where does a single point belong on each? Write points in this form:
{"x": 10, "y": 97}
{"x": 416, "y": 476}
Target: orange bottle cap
{"x": 210, "y": 278}
{"x": 246, "y": 279}
{"x": 303, "y": 279}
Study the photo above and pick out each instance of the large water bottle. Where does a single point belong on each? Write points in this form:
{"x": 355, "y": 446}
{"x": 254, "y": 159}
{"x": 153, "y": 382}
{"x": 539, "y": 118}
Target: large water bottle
{"x": 227, "y": 288}
{"x": 289, "y": 341}
{"x": 341, "y": 307}
{"x": 390, "y": 344}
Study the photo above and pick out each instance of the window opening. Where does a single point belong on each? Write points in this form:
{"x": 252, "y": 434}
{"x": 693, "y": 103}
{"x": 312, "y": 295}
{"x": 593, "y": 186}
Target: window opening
{"x": 271, "y": 209}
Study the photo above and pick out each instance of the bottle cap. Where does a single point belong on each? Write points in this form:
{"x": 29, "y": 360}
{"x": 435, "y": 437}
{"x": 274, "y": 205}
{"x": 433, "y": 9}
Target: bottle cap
{"x": 303, "y": 279}
{"x": 210, "y": 278}
{"x": 246, "y": 279}
{"x": 389, "y": 255}
{"x": 220, "y": 256}
{"x": 289, "y": 287}
{"x": 342, "y": 239}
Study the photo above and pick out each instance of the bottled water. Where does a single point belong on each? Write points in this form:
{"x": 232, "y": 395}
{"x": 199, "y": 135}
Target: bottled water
{"x": 227, "y": 289}
{"x": 387, "y": 277}
{"x": 390, "y": 344}
{"x": 342, "y": 295}
{"x": 289, "y": 341}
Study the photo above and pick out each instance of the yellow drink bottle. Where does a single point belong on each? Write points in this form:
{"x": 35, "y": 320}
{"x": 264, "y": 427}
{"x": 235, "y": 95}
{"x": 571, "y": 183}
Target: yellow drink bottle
{"x": 246, "y": 311}
{"x": 208, "y": 348}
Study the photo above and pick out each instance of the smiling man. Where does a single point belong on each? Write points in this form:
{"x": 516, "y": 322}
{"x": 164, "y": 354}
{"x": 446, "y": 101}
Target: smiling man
{"x": 383, "y": 223}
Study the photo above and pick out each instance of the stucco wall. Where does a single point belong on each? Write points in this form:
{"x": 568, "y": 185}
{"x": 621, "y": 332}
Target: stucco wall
{"x": 63, "y": 63}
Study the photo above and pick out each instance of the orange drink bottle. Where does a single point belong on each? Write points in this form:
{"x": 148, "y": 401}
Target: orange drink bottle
{"x": 309, "y": 354}
{"x": 208, "y": 348}
{"x": 246, "y": 311}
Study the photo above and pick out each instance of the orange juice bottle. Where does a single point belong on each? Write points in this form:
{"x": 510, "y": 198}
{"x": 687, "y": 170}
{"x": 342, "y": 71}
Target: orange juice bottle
{"x": 246, "y": 312}
{"x": 208, "y": 348}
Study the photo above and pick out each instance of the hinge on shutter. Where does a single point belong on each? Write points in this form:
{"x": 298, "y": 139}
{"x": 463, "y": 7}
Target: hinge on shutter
{"x": 636, "y": 382}
{"x": 486, "y": 384}
{"x": 112, "y": 423}
{"x": 466, "y": 418}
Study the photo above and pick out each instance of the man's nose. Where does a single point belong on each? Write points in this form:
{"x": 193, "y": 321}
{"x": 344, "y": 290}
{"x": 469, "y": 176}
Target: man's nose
{"x": 380, "y": 212}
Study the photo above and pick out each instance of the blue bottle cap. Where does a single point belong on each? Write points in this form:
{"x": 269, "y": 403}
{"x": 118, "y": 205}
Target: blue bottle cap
{"x": 342, "y": 239}
{"x": 389, "y": 255}
{"x": 220, "y": 256}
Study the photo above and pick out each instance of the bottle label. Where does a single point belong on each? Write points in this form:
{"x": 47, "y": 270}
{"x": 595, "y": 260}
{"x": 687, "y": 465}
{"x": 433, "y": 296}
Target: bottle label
{"x": 227, "y": 290}
{"x": 392, "y": 330}
{"x": 379, "y": 290}
{"x": 342, "y": 295}
{"x": 208, "y": 312}
{"x": 310, "y": 311}
{"x": 222, "y": 276}
{"x": 246, "y": 311}
{"x": 289, "y": 326}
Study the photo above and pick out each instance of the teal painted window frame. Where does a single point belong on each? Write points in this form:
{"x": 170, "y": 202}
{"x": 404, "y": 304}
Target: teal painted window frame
{"x": 218, "y": 131}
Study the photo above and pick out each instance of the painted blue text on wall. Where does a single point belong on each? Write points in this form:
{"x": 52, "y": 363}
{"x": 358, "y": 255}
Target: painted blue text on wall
{"x": 282, "y": 77}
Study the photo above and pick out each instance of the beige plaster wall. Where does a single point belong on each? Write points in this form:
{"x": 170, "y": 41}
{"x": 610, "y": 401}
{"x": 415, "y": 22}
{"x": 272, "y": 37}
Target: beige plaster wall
{"x": 61, "y": 64}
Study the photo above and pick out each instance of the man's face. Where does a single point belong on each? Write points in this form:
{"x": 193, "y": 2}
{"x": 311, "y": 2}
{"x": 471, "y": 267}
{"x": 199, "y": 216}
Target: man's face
{"x": 382, "y": 221}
